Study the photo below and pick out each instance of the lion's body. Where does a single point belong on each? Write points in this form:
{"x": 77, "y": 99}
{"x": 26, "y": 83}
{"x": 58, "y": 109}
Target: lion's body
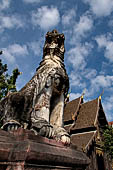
{"x": 39, "y": 104}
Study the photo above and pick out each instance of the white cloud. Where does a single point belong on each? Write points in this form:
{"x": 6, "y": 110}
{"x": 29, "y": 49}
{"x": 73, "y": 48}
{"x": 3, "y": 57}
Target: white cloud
{"x": 84, "y": 25}
{"x": 100, "y": 7}
{"x": 98, "y": 83}
{"x": 18, "y": 49}
{"x": 36, "y": 47}
{"x": 68, "y": 17}
{"x": 101, "y": 41}
{"x": 104, "y": 67}
{"x": 10, "y": 22}
{"x": 81, "y": 28}
{"x": 74, "y": 96}
{"x": 106, "y": 43}
{"x": 13, "y": 51}
{"x": 78, "y": 29}
{"x": 32, "y": 1}
{"x": 4, "y": 4}
{"x": 76, "y": 81}
{"x": 89, "y": 73}
{"x": 77, "y": 56}
{"x": 108, "y": 107}
{"x": 46, "y": 17}
{"x": 8, "y": 56}
{"x": 108, "y": 103}
{"x": 110, "y": 23}
{"x": 102, "y": 81}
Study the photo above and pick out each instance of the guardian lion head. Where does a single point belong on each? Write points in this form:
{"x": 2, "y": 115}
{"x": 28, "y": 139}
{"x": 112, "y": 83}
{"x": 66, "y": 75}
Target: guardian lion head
{"x": 54, "y": 42}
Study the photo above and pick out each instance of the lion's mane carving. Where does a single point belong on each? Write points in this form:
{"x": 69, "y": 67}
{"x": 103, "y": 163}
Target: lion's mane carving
{"x": 39, "y": 104}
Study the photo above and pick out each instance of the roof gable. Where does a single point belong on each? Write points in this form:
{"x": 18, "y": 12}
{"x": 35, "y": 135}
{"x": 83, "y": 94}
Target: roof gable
{"x": 101, "y": 116}
{"x": 83, "y": 140}
{"x": 90, "y": 118}
{"x": 87, "y": 114}
{"x": 71, "y": 108}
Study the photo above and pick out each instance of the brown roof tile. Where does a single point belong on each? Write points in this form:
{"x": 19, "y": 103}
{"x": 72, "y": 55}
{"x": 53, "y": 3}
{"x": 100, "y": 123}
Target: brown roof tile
{"x": 83, "y": 140}
{"x": 70, "y": 109}
{"x": 87, "y": 114}
{"x": 110, "y": 123}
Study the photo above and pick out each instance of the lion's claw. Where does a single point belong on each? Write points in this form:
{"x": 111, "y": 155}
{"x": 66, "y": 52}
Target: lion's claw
{"x": 11, "y": 126}
{"x": 65, "y": 140}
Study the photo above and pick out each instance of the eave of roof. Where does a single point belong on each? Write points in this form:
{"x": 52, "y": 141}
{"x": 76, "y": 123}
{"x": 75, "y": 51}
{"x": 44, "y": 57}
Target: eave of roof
{"x": 110, "y": 123}
{"x": 84, "y": 140}
{"x": 87, "y": 116}
{"x": 70, "y": 108}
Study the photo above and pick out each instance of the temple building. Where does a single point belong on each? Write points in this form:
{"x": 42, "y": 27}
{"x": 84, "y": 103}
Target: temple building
{"x": 85, "y": 122}
{"x": 111, "y": 123}
{"x": 35, "y": 124}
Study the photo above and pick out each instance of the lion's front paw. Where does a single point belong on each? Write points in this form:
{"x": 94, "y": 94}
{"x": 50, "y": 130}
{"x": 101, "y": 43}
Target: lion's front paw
{"x": 65, "y": 140}
{"x": 60, "y": 134}
{"x": 11, "y": 126}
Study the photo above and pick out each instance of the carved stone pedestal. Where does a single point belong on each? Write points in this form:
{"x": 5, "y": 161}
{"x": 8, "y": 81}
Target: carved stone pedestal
{"x": 22, "y": 150}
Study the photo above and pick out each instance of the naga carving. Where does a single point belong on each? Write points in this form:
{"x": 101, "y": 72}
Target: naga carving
{"x": 39, "y": 105}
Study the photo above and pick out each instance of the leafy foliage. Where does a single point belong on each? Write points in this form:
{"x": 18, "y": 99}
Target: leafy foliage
{"x": 108, "y": 140}
{"x": 7, "y": 82}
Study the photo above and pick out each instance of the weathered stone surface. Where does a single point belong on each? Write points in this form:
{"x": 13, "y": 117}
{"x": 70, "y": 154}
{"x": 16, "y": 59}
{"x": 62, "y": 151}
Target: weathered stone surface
{"x": 39, "y": 105}
{"x": 22, "y": 149}
{"x": 37, "y": 109}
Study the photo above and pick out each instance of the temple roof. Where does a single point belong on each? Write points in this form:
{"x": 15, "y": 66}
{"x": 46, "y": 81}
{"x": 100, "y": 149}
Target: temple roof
{"x": 71, "y": 108}
{"x": 89, "y": 118}
{"x": 111, "y": 123}
{"x": 83, "y": 140}
{"x": 88, "y": 113}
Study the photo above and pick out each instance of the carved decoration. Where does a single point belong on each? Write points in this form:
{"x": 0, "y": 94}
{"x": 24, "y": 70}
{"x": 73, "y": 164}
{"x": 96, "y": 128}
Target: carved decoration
{"x": 39, "y": 105}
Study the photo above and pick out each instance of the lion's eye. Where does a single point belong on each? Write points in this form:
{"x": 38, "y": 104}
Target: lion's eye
{"x": 59, "y": 42}
{"x": 49, "y": 40}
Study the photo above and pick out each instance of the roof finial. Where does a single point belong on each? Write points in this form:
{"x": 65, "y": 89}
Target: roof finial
{"x": 83, "y": 93}
{"x": 68, "y": 95}
{"x": 101, "y": 94}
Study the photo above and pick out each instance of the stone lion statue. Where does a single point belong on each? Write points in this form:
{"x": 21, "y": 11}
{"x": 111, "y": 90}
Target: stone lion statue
{"x": 39, "y": 105}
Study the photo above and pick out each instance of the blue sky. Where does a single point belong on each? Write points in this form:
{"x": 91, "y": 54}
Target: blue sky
{"x": 87, "y": 25}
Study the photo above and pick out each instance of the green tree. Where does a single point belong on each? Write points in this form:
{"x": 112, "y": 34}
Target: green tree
{"x": 7, "y": 82}
{"x": 108, "y": 140}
